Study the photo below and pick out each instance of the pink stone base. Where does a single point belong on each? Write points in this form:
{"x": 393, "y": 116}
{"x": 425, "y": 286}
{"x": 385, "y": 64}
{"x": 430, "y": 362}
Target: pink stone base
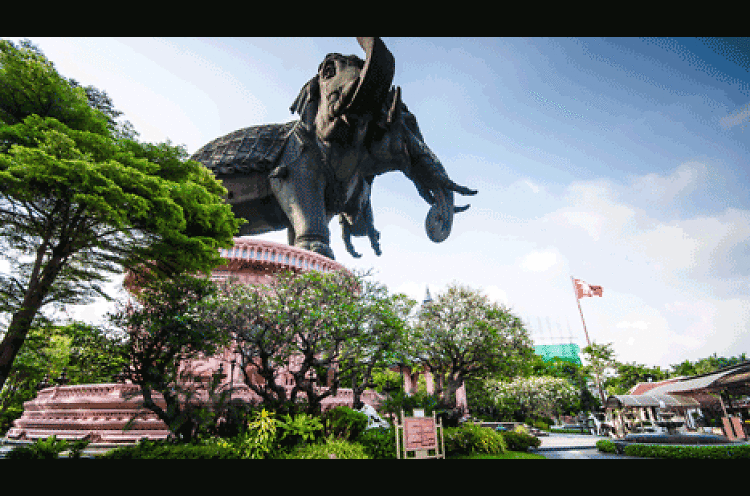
{"x": 99, "y": 412}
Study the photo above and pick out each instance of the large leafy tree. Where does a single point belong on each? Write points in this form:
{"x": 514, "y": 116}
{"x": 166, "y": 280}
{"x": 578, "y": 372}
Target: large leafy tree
{"x": 163, "y": 333}
{"x": 463, "y": 335}
{"x": 79, "y": 202}
{"x": 381, "y": 321}
{"x": 320, "y": 329}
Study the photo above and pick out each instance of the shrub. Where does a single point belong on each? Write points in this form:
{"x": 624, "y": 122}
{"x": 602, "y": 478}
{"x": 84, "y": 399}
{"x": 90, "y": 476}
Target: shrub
{"x": 689, "y": 452}
{"x": 301, "y": 428}
{"x": 48, "y": 448}
{"x": 472, "y": 438}
{"x": 344, "y": 423}
{"x": 146, "y": 449}
{"x": 606, "y": 446}
{"x": 330, "y": 448}
{"x": 519, "y": 441}
{"x": 378, "y": 442}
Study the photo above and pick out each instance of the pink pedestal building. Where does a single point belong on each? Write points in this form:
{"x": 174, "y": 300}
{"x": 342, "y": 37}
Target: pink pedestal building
{"x": 99, "y": 412}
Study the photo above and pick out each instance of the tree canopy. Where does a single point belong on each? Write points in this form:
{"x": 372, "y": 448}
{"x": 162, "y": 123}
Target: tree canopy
{"x": 79, "y": 201}
{"x": 461, "y": 335}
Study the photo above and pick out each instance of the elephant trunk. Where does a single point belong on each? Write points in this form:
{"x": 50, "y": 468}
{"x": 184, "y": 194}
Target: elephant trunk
{"x": 434, "y": 185}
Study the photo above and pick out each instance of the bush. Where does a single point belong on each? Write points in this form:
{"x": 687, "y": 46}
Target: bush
{"x": 46, "y": 449}
{"x": 146, "y": 449}
{"x": 330, "y": 448}
{"x": 606, "y": 446}
{"x": 378, "y": 442}
{"x": 472, "y": 438}
{"x": 344, "y": 423}
{"x": 741, "y": 451}
{"x": 520, "y": 441}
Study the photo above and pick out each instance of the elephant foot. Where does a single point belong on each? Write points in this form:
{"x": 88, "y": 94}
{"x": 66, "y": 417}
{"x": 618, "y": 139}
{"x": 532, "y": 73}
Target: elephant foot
{"x": 316, "y": 246}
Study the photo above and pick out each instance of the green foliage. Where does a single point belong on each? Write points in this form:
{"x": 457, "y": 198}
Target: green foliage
{"x": 741, "y": 451}
{"x": 87, "y": 353}
{"x": 344, "y": 423}
{"x": 30, "y": 84}
{"x": 260, "y": 438}
{"x": 461, "y": 335}
{"x": 532, "y": 396}
{"x": 79, "y": 202}
{"x": 146, "y": 449}
{"x": 520, "y": 441}
{"x": 472, "y": 438}
{"x": 322, "y": 319}
{"x": 48, "y": 448}
{"x": 379, "y": 442}
{"x": 400, "y": 400}
{"x": 163, "y": 331}
{"x": 300, "y": 428}
{"x": 330, "y": 448}
{"x": 606, "y": 446}
{"x": 387, "y": 381}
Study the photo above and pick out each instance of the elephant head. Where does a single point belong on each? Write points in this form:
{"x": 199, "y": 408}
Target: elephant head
{"x": 345, "y": 89}
{"x": 349, "y": 94}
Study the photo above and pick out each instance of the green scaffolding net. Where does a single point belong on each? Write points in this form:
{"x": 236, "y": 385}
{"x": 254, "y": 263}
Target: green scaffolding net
{"x": 568, "y": 352}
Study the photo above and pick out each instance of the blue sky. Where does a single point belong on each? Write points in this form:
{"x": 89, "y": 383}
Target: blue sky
{"x": 622, "y": 162}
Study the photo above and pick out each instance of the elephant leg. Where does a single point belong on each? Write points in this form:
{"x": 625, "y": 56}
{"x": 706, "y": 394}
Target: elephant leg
{"x": 290, "y": 236}
{"x": 301, "y": 194}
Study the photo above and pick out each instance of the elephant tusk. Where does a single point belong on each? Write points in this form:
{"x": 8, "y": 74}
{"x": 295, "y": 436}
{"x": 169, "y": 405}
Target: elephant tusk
{"x": 459, "y": 189}
{"x": 394, "y": 113}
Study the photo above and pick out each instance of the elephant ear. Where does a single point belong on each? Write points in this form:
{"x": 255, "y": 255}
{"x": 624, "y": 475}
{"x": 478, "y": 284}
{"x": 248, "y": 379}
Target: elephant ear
{"x": 306, "y": 103}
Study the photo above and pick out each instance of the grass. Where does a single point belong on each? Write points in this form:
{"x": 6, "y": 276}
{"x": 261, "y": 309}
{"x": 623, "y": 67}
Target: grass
{"x": 508, "y": 455}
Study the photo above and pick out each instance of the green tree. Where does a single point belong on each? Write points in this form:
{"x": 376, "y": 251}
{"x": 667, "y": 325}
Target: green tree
{"x": 88, "y": 355}
{"x": 630, "y": 374}
{"x": 462, "y": 335}
{"x": 164, "y": 332}
{"x": 706, "y": 365}
{"x": 600, "y": 359}
{"x": 77, "y": 203}
{"x": 322, "y": 329}
{"x": 381, "y": 324}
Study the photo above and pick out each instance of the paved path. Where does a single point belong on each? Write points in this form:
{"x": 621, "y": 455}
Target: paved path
{"x": 574, "y": 447}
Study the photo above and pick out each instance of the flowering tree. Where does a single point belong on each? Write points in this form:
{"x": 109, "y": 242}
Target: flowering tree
{"x": 540, "y": 396}
{"x": 317, "y": 327}
{"x": 461, "y": 335}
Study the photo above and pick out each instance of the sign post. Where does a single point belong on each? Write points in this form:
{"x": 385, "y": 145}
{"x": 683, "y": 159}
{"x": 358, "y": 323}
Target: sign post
{"x": 420, "y": 437}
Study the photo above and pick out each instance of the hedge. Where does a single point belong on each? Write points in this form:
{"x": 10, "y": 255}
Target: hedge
{"x": 673, "y": 452}
{"x": 689, "y": 452}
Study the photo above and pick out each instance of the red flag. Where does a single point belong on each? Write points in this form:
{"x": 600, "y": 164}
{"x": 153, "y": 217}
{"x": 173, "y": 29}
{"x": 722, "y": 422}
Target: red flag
{"x": 585, "y": 289}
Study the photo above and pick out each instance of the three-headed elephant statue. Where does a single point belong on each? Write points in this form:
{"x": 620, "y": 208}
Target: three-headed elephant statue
{"x": 352, "y": 127}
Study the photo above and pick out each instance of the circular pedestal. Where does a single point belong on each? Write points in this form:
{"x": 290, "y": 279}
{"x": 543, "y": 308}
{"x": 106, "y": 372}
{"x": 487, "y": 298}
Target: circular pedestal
{"x": 100, "y": 412}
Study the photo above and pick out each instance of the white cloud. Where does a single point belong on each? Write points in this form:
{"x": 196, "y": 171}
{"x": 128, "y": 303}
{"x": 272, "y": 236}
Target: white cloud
{"x": 539, "y": 261}
{"x": 531, "y": 185}
{"x": 639, "y": 324}
{"x": 736, "y": 118}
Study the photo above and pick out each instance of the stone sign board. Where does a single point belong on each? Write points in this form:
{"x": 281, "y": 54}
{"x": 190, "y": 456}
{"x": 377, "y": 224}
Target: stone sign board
{"x": 420, "y": 437}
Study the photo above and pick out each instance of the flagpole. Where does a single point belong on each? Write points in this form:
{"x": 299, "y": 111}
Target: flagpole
{"x": 578, "y": 301}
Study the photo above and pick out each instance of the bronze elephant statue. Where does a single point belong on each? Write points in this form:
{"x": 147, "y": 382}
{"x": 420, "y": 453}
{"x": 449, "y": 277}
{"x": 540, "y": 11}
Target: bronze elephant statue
{"x": 353, "y": 126}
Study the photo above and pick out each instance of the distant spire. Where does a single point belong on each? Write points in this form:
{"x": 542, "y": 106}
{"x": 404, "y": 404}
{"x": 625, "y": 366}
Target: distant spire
{"x": 427, "y": 297}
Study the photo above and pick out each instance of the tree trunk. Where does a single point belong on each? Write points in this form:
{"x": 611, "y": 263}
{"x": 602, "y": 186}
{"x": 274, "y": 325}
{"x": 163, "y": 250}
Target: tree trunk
{"x": 21, "y": 321}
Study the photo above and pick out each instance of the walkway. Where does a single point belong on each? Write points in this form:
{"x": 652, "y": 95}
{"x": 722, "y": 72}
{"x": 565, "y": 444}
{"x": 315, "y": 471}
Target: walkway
{"x": 574, "y": 447}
